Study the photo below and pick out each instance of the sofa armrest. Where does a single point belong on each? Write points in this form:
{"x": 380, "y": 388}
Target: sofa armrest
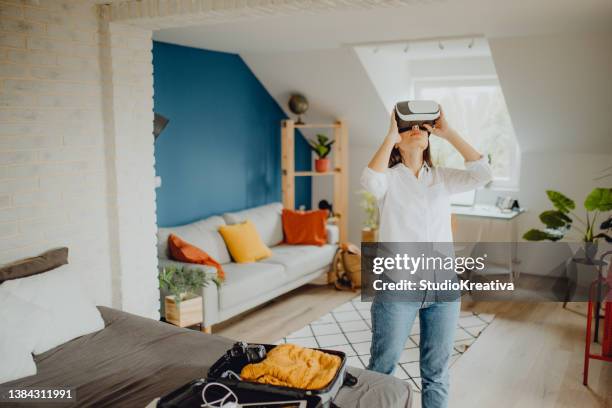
{"x": 210, "y": 295}
{"x": 333, "y": 234}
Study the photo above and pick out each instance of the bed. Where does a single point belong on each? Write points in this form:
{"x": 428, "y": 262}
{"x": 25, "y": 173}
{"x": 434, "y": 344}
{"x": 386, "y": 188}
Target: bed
{"x": 134, "y": 360}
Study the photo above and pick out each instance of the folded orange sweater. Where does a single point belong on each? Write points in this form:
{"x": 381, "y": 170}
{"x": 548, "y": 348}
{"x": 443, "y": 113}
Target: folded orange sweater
{"x": 290, "y": 365}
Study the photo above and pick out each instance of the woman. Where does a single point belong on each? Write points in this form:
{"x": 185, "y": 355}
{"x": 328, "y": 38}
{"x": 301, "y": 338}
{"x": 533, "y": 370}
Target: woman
{"x": 414, "y": 203}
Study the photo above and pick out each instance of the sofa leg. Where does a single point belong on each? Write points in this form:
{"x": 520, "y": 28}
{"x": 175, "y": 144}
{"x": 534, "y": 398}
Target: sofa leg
{"x": 206, "y": 329}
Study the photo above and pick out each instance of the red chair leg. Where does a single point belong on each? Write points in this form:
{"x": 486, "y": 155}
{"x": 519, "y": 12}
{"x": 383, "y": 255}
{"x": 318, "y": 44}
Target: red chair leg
{"x": 587, "y": 346}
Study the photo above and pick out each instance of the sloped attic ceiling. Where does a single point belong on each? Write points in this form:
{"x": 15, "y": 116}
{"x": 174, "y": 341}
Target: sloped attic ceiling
{"x": 552, "y": 57}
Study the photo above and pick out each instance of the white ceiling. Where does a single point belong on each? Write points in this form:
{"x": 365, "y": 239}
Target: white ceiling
{"x": 422, "y": 20}
{"x": 548, "y": 81}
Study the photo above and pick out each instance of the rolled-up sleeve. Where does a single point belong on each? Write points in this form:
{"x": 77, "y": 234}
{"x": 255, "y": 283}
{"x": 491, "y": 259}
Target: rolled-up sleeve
{"x": 374, "y": 182}
{"x": 476, "y": 174}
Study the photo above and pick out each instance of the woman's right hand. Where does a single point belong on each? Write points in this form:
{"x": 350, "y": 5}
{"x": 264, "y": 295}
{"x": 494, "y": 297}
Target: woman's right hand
{"x": 380, "y": 161}
{"x": 393, "y": 135}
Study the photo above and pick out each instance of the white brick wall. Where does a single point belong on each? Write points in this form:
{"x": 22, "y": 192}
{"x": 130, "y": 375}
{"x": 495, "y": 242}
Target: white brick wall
{"x": 130, "y": 64}
{"x": 76, "y": 150}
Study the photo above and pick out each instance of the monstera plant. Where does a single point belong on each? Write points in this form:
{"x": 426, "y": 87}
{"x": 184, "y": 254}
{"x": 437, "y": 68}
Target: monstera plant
{"x": 560, "y": 221}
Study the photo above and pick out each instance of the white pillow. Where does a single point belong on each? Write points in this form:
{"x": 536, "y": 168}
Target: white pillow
{"x": 17, "y": 361}
{"x": 267, "y": 219}
{"x": 18, "y": 336}
{"x": 70, "y": 313}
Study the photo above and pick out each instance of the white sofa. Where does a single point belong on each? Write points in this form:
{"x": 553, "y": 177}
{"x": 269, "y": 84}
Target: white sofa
{"x": 249, "y": 284}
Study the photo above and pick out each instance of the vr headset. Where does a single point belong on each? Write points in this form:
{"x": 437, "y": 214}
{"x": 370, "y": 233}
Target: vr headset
{"x": 419, "y": 113}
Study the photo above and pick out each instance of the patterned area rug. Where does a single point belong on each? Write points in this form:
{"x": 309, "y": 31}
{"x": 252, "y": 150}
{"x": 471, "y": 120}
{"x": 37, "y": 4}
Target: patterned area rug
{"x": 347, "y": 328}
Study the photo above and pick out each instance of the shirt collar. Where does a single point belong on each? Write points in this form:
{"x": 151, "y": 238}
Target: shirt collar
{"x": 424, "y": 169}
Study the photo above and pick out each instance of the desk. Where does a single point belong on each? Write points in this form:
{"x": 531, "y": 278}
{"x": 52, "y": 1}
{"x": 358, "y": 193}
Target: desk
{"x": 487, "y": 223}
{"x": 485, "y": 211}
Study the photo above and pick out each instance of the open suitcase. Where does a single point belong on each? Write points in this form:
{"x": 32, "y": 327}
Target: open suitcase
{"x": 190, "y": 396}
{"x": 326, "y": 395}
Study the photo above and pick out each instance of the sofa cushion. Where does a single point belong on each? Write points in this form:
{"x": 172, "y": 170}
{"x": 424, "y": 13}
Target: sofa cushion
{"x": 267, "y": 220}
{"x": 247, "y": 281}
{"x": 244, "y": 243}
{"x": 300, "y": 260}
{"x": 203, "y": 234}
{"x": 305, "y": 227}
{"x": 183, "y": 251}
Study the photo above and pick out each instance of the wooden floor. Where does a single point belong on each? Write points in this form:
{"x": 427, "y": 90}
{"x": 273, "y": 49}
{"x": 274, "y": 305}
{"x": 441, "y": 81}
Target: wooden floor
{"x": 284, "y": 314}
{"x": 530, "y": 356}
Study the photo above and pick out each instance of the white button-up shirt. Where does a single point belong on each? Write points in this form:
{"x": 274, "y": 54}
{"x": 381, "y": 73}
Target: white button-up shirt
{"x": 417, "y": 209}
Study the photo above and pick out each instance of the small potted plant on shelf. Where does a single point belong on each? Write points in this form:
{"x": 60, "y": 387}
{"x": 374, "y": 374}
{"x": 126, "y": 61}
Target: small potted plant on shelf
{"x": 322, "y": 147}
{"x": 183, "y": 307}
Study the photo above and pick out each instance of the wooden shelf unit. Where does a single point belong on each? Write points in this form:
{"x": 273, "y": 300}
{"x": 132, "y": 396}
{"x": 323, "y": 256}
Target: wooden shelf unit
{"x": 339, "y": 172}
{"x": 316, "y": 125}
{"x": 314, "y": 173}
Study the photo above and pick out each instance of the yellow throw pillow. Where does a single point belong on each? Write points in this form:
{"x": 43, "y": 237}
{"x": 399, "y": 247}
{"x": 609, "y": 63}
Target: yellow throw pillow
{"x": 244, "y": 243}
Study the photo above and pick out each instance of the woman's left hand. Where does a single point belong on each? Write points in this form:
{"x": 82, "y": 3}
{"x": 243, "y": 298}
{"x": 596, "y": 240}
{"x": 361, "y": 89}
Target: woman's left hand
{"x": 441, "y": 127}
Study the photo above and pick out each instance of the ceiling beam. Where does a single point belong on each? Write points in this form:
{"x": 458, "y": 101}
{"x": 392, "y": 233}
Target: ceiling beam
{"x": 161, "y": 14}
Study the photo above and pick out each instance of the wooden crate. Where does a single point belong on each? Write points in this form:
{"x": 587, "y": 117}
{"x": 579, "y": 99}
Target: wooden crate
{"x": 187, "y": 313}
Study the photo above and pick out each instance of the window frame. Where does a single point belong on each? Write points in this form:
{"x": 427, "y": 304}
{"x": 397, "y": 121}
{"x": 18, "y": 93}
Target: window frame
{"x": 511, "y": 183}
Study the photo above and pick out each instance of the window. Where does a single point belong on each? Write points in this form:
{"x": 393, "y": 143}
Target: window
{"x": 477, "y": 109}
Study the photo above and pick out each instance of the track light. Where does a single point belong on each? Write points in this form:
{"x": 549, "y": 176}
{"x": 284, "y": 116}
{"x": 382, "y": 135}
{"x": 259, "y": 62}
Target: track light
{"x": 471, "y": 44}
{"x": 406, "y": 48}
{"x": 440, "y": 45}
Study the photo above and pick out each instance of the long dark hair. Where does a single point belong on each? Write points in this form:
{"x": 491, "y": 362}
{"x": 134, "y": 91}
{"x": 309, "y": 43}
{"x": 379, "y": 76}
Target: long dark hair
{"x": 396, "y": 156}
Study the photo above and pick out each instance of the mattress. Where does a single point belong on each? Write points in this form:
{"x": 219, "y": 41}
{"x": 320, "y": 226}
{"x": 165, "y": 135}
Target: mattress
{"x": 135, "y": 360}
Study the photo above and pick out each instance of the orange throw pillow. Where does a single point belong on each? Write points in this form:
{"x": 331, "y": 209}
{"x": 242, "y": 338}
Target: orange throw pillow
{"x": 183, "y": 251}
{"x": 305, "y": 227}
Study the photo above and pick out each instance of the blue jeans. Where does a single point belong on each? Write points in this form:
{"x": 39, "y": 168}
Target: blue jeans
{"x": 391, "y": 325}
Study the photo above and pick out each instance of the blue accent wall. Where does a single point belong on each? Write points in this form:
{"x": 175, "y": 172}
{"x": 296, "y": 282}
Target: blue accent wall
{"x": 221, "y": 149}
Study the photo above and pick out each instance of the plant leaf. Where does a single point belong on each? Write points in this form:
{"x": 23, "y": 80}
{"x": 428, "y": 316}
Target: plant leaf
{"x": 604, "y": 236}
{"x": 321, "y": 146}
{"x": 560, "y": 201}
{"x": 600, "y": 199}
{"x": 607, "y": 224}
{"x": 555, "y": 219}
{"x": 537, "y": 235}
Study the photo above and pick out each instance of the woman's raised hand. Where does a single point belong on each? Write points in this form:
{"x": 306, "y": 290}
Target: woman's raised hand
{"x": 441, "y": 127}
{"x": 393, "y": 133}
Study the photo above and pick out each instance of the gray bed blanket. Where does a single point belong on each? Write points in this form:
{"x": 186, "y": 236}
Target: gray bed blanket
{"x": 135, "y": 360}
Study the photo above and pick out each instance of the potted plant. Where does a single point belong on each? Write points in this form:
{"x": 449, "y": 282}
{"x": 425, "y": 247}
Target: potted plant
{"x": 322, "y": 147}
{"x": 368, "y": 203}
{"x": 560, "y": 221}
{"x": 183, "y": 307}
